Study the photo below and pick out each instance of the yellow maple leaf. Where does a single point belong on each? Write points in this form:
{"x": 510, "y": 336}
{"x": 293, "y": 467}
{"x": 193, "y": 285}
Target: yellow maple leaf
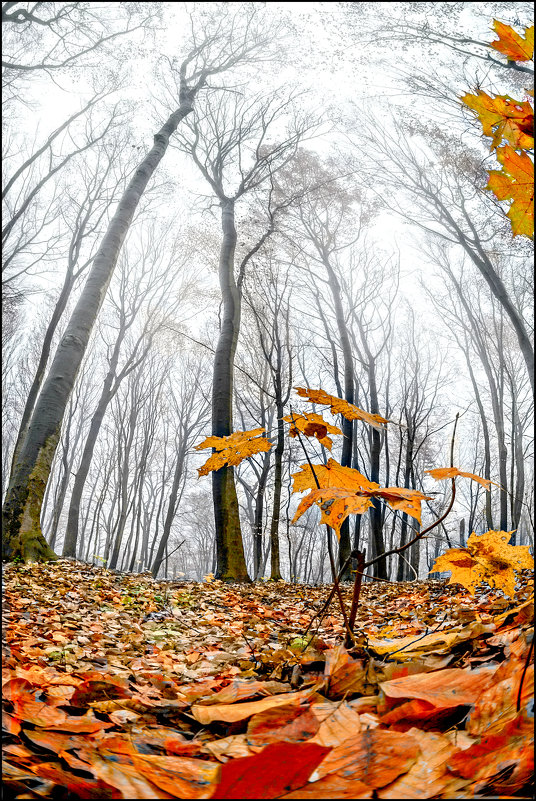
{"x": 340, "y": 406}
{"x": 312, "y": 425}
{"x": 331, "y": 474}
{"x": 502, "y": 117}
{"x": 451, "y": 472}
{"x": 345, "y": 491}
{"x": 233, "y": 449}
{"x": 335, "y": 504}
{"x": 515, "y": 182}
{"x": 487, "y": 557}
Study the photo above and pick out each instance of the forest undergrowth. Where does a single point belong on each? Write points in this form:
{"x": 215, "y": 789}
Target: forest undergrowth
{"x": 120, "y": 686}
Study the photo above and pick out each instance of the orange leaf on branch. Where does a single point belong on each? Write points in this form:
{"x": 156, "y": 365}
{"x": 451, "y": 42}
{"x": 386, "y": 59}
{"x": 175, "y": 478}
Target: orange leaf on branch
{"x": 331, "y": 474}
{"x": 233, "y": 449}
{"x": 511, "y": 44}
{"x": 451, "y": 472}
{"x": 515, "y": 182}
{"x": 487, "y": 557}
{"x": 502, "y": 117}
{"x": 344, "y": 491}
{"x": 312, "y": 425}
{"x": 340, "y": 406}
{"x": 335, "y": 504}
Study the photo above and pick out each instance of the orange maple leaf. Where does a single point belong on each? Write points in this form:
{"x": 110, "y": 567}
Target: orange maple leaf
{"x": 312, "y": 425}
{"x": 331, "y": 474}
{"x": 511, "y": 44}
{"x": 340, "y": 406}
{"x": 486, "y": 557}
{"x": 233, "y": 449}
{"x": 341, "y": 486}
{"x": 451, "y": 472}
{"x": 502, "y": 117}
{"x": 515, "y": 182}
{"x": 335, "y": 504}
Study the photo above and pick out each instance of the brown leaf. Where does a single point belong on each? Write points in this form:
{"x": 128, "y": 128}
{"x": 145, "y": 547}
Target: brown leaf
{"x": 373, "y": 756}
{"x": 446, "y": 688}
{"x": 428, "y": 777}
{"x": 234, "y": 712}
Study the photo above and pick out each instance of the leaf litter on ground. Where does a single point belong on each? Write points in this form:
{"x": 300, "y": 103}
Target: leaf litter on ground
{"x": 120, "y": 686}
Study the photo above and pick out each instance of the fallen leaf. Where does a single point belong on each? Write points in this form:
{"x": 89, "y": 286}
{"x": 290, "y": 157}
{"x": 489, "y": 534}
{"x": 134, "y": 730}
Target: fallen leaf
{"x": 279, "y": 768}
{"x": 446, "y": 688}
{"x": 373, "y": 756}
{"x": 428, "y": 777}
{"x": 234, "y": 712}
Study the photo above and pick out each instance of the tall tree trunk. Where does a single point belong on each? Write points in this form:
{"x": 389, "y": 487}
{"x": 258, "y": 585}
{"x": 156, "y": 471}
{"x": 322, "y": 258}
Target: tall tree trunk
{"x": 71, "y": 535}
{"x": 345, "y": 546}
{"x": 275, "y": 569}
{"x": 230, "y": 548}
{"x": 172, "y": 508}
{"x": 21, "y": 530}
{"x": 258, "y": 518}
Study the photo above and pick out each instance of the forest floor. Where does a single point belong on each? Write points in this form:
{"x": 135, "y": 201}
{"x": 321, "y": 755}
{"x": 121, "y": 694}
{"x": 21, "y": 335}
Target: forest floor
{"x": 119, "y": 686}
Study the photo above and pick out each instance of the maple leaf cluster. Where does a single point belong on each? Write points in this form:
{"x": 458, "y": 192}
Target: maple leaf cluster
{"x": 506, "y": 119}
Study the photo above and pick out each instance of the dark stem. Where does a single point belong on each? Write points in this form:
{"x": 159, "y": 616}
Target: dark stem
{"x": 337, "y": 588}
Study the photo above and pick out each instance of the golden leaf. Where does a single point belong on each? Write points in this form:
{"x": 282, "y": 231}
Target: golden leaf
{"x": 502, "y": 117}
{"x": 487, "y": 557}
{"x": 345, "y": 491}
{"x": 335, "y": 504}
{"x": 312, "y": 425}
{"x": 451, "y": 472}
{"x": 515, "y": 182}
{"x": 233, "y": 449}
{"x": 331, "y": 474}
{"x": 340, "y": 406}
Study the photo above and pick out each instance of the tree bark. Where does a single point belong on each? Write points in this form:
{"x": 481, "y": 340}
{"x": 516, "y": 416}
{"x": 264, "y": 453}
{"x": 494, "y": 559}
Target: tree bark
{"x": 171, "y": 510}
{"x": 21, "y": 530}
{"x": 229, "y": 545}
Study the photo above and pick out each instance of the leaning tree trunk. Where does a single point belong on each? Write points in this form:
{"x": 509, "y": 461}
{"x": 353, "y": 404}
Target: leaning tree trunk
{"x": 172, "y": 508}
{"x": 231, "y": 563}
{"x": 21, "y": 530}
{"x": 71, "y": 535}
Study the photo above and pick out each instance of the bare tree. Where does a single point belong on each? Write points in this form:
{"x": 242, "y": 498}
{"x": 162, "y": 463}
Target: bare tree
{"x": 231, "y": 141}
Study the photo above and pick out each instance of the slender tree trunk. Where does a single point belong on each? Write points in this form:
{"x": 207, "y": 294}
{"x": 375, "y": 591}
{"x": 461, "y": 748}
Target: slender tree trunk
{"x": 275, "y": 570}
{"x": 347, "y": 425}
{"x": 21, "y": 530}
{"x": 230, "y": 548}
{"x": 171, "y": 510}
{"x": 71, "y": 535}
{"x": 258, "y": 517}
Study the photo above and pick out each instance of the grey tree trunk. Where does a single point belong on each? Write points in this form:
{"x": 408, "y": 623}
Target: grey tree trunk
{"x": 21, "y": 531}
{"x": 171, "y": 510}
{"x": 345, "y": 545}
{"x": 229, "y": 545}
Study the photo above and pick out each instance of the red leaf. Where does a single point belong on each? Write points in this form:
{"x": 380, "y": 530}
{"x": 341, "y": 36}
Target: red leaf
{"x": 279, "y": 768}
